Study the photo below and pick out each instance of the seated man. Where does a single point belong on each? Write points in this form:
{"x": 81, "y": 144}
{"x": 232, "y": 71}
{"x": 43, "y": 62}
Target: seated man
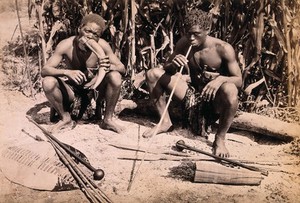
{"x": 84, "y": 66}
{"x": 210, "y": 92}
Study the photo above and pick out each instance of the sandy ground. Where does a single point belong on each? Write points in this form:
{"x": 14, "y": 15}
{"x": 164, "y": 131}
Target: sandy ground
{"x": 153, "y": 182}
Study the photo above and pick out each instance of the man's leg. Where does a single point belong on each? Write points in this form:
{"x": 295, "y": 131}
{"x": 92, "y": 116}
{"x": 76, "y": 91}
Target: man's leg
{"x": 226, "y": 104}
{"x": 158, "y": 83}
{"x": 111, "y": 89}
{"x": 60, "y": 97}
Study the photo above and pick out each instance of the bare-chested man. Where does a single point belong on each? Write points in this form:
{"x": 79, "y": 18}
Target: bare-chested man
{"x": 210, "y": 91}
{"x": 83, "y": 65}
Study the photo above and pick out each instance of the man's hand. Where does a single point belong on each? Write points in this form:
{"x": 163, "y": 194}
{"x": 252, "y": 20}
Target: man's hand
{"x": 209, "y": 91}
{"x": 179, "y": 60}
{"x": 76, "y": 75}
{"x": 104, "y": 63}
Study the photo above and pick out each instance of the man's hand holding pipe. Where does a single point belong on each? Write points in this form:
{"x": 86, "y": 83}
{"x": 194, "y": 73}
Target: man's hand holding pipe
{"x": 104, "y": 63}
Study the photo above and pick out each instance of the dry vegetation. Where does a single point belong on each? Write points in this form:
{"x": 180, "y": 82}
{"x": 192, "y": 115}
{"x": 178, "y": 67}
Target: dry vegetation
{"x": 265, "y": 36}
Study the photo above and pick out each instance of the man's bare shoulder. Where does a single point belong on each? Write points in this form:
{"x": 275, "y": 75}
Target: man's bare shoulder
{"x": 222, "y": 46}
{"x": 65, "y": 45}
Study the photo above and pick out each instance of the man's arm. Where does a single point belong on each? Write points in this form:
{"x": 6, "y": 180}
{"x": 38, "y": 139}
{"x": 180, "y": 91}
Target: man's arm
{"x": 50, "y": 68}
{"x": 227, "y": 53}
{"x": 177, "y": 58}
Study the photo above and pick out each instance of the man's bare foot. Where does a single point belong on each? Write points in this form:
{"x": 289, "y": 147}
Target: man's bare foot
{"x": 219, "y": 148}
{"x": 163, "y": 128}
{"x": 111, "y": 125}
{"x": 62, "y": 125}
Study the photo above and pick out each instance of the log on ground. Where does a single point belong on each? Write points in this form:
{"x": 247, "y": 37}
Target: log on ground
{"x": 251, "y": 122}
{"x": 266, "y": 126}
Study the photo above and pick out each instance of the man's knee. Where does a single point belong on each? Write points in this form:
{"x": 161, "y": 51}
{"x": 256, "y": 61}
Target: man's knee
{"x": 229, "y": 94}
{"x": 154, "y": 74}
{"x": 114, "y": 78}
{"x": 49, "y": 84}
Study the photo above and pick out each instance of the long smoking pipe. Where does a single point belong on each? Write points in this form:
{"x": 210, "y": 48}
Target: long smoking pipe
{"x": 98, "y": 51}
{"x": 171, "y": 95}
{"x": 98, "y": 173}
{"x": 180, "y": 145}
{"x": 163, "y": 114}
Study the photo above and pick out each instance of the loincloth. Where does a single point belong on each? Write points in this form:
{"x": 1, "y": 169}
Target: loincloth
{"x": 81, "y": 105}
{"x": 198, "y": 114}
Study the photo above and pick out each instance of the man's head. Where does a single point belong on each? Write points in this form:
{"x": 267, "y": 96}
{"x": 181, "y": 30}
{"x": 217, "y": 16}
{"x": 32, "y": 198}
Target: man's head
{"x": 92, "y": 26}
{"x": 198, "y": 17}
{"x": 197, "y": 25}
